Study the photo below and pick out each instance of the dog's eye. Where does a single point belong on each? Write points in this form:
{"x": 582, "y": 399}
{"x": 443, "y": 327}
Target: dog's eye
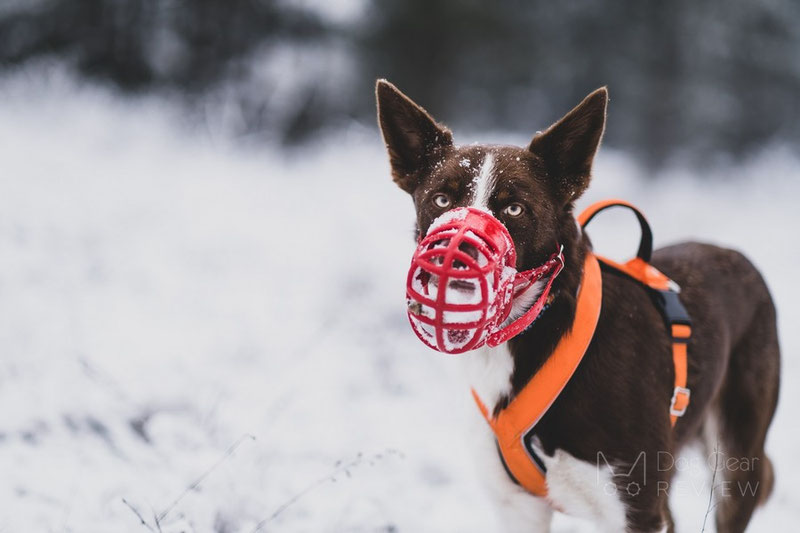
{"x": 441, "y": 200}
{"x": 513, "y": 210}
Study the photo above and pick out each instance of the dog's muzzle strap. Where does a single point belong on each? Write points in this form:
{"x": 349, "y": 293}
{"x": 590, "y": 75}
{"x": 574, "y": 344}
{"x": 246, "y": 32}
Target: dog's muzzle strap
{"x": 551, "y": 268}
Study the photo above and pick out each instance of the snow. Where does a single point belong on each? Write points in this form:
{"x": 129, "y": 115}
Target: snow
{"x": 448, "y": 217}
{"x": 165, "y": 296}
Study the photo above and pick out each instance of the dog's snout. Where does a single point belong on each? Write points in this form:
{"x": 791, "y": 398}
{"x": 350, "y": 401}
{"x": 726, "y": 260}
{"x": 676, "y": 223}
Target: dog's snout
{"x": 469, "y": 249}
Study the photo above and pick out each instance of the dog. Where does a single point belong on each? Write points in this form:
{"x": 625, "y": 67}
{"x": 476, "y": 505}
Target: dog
{"x": 606, "y": 441}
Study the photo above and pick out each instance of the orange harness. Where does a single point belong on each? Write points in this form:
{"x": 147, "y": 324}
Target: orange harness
{"x": 514, "y": 426}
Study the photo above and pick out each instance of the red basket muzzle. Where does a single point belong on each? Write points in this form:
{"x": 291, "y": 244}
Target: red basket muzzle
{"x": 462, "y": 282}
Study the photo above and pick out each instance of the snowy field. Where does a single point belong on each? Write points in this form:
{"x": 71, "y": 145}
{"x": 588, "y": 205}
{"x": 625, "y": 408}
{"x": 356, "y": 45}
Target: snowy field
{"x": 215, "y": 337}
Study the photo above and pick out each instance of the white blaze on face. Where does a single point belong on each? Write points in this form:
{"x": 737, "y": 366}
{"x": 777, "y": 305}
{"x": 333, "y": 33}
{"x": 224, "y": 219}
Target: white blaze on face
{"x": 483, "y": 184}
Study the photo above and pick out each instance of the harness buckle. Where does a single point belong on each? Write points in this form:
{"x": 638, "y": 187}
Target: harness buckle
{"x": 680, "y": 401}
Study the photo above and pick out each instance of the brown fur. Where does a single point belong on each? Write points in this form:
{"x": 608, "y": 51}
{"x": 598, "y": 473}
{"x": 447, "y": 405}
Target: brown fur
{"x": 617, "y": 401}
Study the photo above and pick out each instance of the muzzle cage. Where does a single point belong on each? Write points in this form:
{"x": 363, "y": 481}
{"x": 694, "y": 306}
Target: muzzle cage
{"x": 462, "y": 281}
{"x": 458, "y": 279}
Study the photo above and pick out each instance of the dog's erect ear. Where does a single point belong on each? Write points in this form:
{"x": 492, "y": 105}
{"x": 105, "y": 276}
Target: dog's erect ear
{"x": 569, "y": 145}
{"x": 410, "y": 134}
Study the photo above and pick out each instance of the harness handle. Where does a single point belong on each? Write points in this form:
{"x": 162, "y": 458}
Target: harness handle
{"x": 645, "y": 244}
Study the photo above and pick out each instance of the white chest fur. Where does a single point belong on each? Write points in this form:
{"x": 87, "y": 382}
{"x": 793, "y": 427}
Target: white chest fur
{"x": 489, "y": 373}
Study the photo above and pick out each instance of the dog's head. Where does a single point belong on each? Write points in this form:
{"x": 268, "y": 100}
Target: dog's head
{"x": 531, "y": 190}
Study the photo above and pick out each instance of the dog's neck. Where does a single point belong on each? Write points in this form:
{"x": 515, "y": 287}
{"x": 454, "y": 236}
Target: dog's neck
{"x": 498, "y": 374}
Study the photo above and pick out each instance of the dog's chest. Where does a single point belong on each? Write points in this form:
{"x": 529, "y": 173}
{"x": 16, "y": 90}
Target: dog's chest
{"x": 575, "y": 487}
{"x": 489, "y": 373}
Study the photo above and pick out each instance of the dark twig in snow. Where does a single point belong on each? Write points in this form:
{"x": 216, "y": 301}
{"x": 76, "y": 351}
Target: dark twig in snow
{"x": 94, "y": 372}
{"x": 196, "y": 483}
{"x": 157, "y": 521}
{"x": 138, "y": 515}
{"x": 711, "y": 504}
{"x": 339, "y": 468}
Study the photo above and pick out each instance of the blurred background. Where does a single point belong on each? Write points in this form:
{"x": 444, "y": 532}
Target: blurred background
{"x": 702, "y": 80}
{"x": 203, "y": 257}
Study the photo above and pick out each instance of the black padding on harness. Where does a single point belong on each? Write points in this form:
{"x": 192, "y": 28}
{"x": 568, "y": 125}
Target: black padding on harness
{"x": 503, "y": 462}
{"x": 673, "y": 311}
{"x": 527, "y": 441}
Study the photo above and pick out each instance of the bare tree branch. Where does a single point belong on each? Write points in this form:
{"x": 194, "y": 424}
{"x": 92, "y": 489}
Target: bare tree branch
{"x": 339, "y": 468}
{"x": 711, "y": 504}
{"x": 196, "y": 483}
{"x": 138, "y": 515}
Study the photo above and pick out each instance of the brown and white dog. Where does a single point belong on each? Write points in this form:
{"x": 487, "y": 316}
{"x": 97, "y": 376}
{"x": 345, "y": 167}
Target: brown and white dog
{"x": 609, "y": 429}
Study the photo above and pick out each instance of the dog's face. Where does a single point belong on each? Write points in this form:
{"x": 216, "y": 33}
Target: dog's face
{"x": 529, "y": 189}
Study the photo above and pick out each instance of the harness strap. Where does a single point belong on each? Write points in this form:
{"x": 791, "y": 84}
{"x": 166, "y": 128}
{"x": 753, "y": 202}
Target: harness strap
{"x": 513, "y": 426}
{"x": 680, "y": 395}
{"x": 645, "y": 243}
{"x": 665, "y": 293}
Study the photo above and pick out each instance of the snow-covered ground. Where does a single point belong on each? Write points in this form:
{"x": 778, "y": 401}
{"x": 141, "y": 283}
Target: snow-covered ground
{"x": 217, "y": 336}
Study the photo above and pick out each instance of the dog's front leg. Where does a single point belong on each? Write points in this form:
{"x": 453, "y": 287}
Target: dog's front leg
{"x": 517, "y": 510}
